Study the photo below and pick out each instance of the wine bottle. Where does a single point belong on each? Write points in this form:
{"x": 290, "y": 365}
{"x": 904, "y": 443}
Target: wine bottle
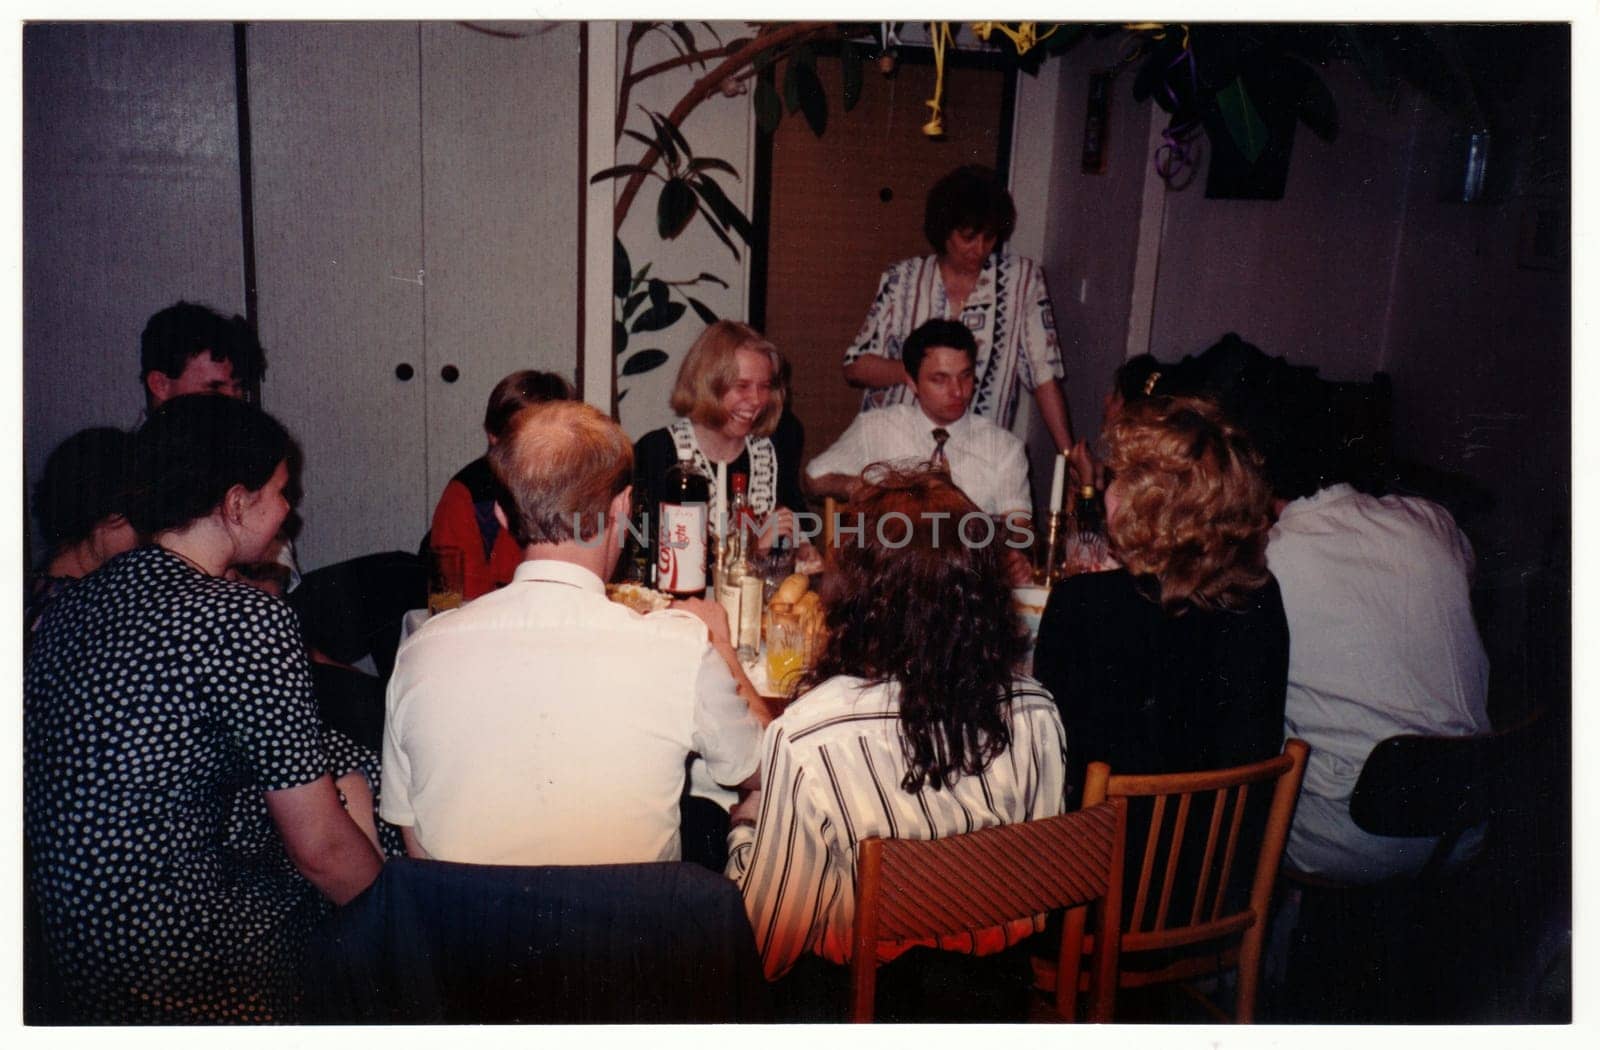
{"x": 681, "y": 528}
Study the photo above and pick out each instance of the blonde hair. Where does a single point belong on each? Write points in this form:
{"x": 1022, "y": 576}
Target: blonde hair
{"x": 558, "y": 463}
{"x": 710, "y": 370}
{"x": 1193, "y": 508}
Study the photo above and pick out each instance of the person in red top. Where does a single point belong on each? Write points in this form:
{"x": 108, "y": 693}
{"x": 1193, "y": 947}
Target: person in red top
{"x": 464, "y": 517}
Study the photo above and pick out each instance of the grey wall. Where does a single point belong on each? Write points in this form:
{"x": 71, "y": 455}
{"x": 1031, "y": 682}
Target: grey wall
{"x": 130, "y": 202}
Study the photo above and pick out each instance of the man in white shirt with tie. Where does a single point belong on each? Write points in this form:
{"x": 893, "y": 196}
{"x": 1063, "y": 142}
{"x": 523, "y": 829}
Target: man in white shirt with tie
{"x": 987, "y": 463}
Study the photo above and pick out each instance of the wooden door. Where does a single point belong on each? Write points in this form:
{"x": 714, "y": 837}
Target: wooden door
{"x": 844, "y": 206}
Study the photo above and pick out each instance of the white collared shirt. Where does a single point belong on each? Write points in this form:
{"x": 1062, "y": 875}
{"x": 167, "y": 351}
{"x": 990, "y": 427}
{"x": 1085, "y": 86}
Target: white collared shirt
{"x": 987, "y": 463}
{"x": 1381, "y": 642}
{"x": 544, "y": 724}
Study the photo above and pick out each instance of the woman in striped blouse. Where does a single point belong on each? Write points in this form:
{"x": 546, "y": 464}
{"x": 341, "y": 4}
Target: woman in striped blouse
{"x": 911, "y": 724}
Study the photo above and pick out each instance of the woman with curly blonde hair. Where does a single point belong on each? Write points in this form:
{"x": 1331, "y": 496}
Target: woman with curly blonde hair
{"x": 1177, "y": 659}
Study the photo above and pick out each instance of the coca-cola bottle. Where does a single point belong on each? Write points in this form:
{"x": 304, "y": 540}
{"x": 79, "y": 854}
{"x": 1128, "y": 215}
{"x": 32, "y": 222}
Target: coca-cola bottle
{"x": 682, "y": 521}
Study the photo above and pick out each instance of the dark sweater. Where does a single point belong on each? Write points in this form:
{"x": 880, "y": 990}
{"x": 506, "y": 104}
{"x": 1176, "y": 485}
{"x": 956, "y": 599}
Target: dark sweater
{"x": 1148, "y": 692}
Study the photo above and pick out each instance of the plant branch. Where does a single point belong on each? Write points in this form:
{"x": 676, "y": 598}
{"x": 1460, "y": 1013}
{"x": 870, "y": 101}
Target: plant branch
{"x": 627, "y": 84}
{"x": 702, "y": 90}
{"x": 673, "y": 63}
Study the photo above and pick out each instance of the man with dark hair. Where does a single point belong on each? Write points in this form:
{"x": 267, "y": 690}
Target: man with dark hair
{"x": 191, "y": 349}
{"x": 542, "y": 723}
{"x": 986, "y": 462}
{"x": 1376, "y": 590}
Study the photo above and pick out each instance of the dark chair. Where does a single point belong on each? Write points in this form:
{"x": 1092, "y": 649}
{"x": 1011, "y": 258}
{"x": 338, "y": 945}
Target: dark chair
{"x": 1411, "y": 950}
{"x": 437, "y": 943}
{"x": 908, "y": 889}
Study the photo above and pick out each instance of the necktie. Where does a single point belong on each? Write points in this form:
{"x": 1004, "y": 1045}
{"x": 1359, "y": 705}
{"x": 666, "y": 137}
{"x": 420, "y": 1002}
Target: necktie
{"x": 940, "y": 462}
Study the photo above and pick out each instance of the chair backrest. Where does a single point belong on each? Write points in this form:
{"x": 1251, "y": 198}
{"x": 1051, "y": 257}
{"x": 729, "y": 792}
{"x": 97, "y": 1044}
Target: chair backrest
{"x": 909, "y": 889}
{"x": 1433, "y": 785}
{"x": 440, "y": 943}
{"x": 1196, "y": 847}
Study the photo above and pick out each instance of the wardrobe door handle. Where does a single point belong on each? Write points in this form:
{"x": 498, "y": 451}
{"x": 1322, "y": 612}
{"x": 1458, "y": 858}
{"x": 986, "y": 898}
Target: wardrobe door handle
{"x": 449, "y": 373}
{"x": 404, "y": 372}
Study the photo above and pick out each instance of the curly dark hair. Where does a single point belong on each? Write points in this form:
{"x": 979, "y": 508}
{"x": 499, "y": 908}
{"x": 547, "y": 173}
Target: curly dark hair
{"x": 183, "y": 331}
{"x": 85, "y": 481}
{"x": 972, "y": 197}
{"x": 914, "y": 602}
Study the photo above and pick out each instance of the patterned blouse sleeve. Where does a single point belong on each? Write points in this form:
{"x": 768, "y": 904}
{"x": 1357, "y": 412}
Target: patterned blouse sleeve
{"x": 266, "y": 698}
{"x": 785, "y": 869}
{"x": 1041, "y": 346}
{"x": 878, "y": 328}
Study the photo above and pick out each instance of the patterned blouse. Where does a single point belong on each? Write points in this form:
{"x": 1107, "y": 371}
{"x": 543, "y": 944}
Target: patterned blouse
{"x": 1008, "y": 312}
{"x": 160, "y": 704}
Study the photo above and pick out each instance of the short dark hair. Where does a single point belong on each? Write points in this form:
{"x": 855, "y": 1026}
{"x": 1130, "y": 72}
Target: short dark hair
{"x": 192, "y": 450}
{"x": 930, "y": 335}
{"x": 1138, "y": 378}
{"x": 85, "y": 481}
{"x": 932, "y": 613}
{"x": 970, "y": 198}
{"x": 1284, "y": 408}
{"x": 183, "y": 331}
{"x": 516, "y": 392}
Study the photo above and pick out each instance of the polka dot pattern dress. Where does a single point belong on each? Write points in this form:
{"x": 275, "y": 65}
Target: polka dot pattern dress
{"x": 160, "y": 704}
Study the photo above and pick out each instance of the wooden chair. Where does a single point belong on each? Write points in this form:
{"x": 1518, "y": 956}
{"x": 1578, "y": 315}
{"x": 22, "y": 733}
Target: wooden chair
{"x": 908, "y": 889}
{"x": 1206, "y": 864}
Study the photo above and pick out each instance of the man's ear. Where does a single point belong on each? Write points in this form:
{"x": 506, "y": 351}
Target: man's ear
{"x": 621, "y": 507}
{"x": 500, "y": 516}
{"x": 158, "y": 385}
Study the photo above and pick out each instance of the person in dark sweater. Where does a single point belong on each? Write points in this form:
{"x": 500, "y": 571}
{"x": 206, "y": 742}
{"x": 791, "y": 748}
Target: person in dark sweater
{"x": 1177, "y": 659}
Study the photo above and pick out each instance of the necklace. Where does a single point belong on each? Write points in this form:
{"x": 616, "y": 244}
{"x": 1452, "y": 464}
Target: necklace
{"x": 201, "y": 569}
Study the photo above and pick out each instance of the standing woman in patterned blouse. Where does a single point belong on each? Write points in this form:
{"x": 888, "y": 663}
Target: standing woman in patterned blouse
{"x": 913, "y": 724}
{"x": 182, "y": 825}
{"x": 974, "y": 279}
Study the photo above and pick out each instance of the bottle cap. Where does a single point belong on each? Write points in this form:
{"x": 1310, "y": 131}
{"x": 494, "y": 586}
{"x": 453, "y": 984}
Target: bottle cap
{"x": 1086, "y": 492}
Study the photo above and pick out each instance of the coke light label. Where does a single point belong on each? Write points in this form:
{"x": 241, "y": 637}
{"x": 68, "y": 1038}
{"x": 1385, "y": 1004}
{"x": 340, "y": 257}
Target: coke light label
{"x": 681, "y": 552}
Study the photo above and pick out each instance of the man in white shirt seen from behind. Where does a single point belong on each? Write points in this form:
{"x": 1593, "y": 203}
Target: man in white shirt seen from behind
{"x": 989, "y": 464}
{"x": 543, "y": 723}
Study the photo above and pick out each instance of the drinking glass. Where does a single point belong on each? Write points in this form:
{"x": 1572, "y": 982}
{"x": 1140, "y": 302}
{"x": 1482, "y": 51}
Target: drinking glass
{"x": 446, "y": 578}
{"x": 786, "y": 651}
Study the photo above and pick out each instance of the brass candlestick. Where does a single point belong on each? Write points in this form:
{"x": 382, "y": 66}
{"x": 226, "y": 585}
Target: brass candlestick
{"x": 1051, "y": 546}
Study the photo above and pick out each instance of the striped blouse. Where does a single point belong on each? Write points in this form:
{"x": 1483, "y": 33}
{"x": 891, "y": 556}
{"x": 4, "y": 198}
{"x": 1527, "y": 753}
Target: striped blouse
{"x": 830, "y": 770}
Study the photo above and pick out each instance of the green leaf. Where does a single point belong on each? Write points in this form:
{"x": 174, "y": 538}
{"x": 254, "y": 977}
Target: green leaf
{"x": 674, "y": 208}
{"x": 632, "y": 304}
{"x": 621, "y": 269}
{"x": 724, "y": 209}
{"x": 850, "y": 63}
{"x": 659, "y": 293}
{"x": 669, "y": 147}
{"x": 643, "y": 361}
{"x": 703, "y": 310}
{"x": 619, "y": 171}
{"x": 619, "y": 338}
{"x": 712, "y": 278}
{"x": 687, "y": 37}
{"x": 1245, "y": 125}
{"x": 718, "y": 228}
{"x": 649, "y": 143}
{"x": 620, "y": 395}
{"x": 769, "y": 108}
{"x": 712, "y": 164}
{"x": 668, "y": 132}
{"x": 813, "y": 100}
{"x": 653, "y": 320}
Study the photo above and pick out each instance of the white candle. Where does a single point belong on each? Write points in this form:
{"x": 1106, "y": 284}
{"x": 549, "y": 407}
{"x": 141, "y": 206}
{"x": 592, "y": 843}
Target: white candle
{"x": 1058, "y": 483}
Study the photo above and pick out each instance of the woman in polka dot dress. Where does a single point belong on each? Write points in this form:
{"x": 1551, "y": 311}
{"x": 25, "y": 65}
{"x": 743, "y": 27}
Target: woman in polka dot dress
{"x": 183, "y": 827}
